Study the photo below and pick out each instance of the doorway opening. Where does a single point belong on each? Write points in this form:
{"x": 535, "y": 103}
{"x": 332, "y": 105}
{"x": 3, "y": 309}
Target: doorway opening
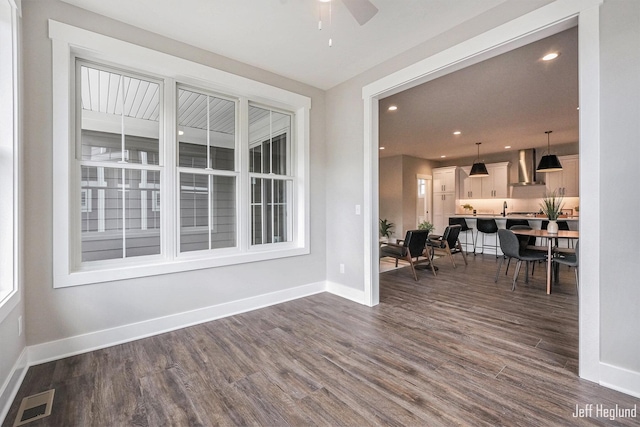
{"x": 529, "y": 28}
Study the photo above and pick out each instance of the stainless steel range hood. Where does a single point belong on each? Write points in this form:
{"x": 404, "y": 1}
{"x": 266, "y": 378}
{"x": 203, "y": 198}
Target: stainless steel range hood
{"x": 527, "y": 168}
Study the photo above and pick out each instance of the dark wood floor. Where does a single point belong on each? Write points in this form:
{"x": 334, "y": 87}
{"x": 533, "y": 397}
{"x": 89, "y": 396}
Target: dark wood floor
{"x": 452, "y": 350}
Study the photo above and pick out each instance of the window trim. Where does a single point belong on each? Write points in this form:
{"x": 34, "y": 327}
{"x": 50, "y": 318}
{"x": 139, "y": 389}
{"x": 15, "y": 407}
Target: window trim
{"x": 10, "y": 135}
{"x": 68, "y": 42}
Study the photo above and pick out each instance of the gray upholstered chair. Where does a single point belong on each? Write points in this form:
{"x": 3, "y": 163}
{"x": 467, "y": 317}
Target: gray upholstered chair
{"x": 569, "y": 259}
{"x": 410, "y": 250}
{"x": 511, "y": 248}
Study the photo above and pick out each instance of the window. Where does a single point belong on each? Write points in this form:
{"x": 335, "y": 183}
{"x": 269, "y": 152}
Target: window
{"x": 162, "y": 172}
{"x": 207, "y": 168}
{"x": 8, "y": 152}
{"x": 271, "y": 185}
{"x": 118, "y": 153}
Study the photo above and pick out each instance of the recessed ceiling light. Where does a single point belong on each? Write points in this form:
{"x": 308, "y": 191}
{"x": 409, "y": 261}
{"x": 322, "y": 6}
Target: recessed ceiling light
{"x": 442, "y": 157}
{"x": 382, "y": 148}
{"x": 550, "y": 56}
{"x": 457, "y": 132}
{"x": 507, "y": 147}
{"x": 180, "y": 132}
{"x": 393, "y": 108}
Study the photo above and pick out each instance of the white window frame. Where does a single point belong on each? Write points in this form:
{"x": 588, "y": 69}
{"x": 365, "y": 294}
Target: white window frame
{"x": 69, "y": 42}
{"x": 209, "y": 172}
{"x": 9, "y": 170}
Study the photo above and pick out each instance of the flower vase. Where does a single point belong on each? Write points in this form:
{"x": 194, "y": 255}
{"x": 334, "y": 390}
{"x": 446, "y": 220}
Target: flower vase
{"x": 552, "y": 227}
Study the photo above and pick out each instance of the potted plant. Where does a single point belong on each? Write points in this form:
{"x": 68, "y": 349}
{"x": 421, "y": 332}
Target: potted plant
{"x": 552, "y": 206}
{"x": 467, "y": 207}
{"x": 426, "y": 225}
{"x": 386, "y": 228}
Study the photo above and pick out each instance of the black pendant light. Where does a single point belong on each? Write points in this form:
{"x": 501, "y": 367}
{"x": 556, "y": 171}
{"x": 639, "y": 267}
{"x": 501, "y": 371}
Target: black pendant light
{"x": 478, "y": 169}
{"x": 550, "y": 162}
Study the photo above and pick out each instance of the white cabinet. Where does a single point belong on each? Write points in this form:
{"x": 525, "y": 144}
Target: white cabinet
{"x": 496, "y": 185}
{"x": 470, "y": 187}
{"x": 444, "y": 196}
{"x": 444, "y": 179}
{"x": 444, "y": 206}
{"x": 567, "y": 181}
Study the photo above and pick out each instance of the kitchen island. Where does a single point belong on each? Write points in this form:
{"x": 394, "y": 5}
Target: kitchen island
{"x": 491, "y": 240}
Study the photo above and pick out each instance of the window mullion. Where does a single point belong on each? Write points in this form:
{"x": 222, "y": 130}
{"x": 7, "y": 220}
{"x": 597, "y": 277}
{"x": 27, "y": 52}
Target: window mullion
{"x": 243, "y": 189}
{"x": 124, "y": 213}
{"x": 209, "y": 210}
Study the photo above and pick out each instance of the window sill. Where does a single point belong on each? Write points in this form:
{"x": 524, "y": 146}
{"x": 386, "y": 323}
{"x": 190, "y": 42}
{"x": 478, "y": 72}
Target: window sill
{"x": 185, "y": 262}
{"x": 8, "y": 304}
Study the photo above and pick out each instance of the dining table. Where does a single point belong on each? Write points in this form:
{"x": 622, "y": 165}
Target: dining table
{"x": 552, "y": 238}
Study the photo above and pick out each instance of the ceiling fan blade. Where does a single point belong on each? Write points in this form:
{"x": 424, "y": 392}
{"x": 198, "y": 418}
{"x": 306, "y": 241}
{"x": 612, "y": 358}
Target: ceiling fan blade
{"x": 362, "y": 10}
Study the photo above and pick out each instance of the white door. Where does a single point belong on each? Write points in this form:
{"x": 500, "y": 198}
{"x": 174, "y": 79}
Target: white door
{"x": 423, "y": 199}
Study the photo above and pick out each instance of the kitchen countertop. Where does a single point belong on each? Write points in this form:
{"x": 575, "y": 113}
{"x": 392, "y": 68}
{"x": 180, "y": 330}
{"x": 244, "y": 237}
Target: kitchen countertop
{"x": 527, "y": 217}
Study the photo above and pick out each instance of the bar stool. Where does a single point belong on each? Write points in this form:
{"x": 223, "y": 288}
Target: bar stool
{"x": 465, "y": 229}
{"x": 487, "y": 226}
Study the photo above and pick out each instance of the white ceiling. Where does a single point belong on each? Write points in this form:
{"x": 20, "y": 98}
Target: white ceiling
{"x": 282, "y": 36}
{"x": 511, "y": 99}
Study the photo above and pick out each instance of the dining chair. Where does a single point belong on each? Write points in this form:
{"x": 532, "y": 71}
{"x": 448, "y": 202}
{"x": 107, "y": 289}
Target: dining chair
{"x": 448, "y": 244}
{"x": 511, "y": 248}
{"x": 527, "y": 243}
{"x": 410, "y": 250}
{"x": 569, "y": 259}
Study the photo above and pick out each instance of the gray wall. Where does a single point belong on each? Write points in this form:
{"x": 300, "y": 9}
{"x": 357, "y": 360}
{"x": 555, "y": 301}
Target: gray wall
{"x": 59, "y": 313}
{"x": 620, "y": 153}
{"x": 390, "y": 196}
{"x": 399, "y": 190}
{"x": 345, "y": 135}
{"x": 620, "y": 293}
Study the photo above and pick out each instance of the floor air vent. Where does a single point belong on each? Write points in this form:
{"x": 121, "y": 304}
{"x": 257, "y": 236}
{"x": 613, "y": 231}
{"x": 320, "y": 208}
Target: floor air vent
{"x": 34, "y": 407}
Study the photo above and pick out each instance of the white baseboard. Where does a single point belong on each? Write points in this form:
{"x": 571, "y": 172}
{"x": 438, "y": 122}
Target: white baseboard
{"x": 346, "y": 292}
{"x": 620, "y": 379}
{"x": 11, "y": 386}
{"x": 66, "y": 347}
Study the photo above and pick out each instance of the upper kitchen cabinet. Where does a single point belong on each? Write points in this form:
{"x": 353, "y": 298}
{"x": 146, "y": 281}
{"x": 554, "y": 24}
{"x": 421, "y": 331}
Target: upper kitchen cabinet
{"x": 470, "y": 187}
{"x": 496, "y": 185}
{"x": 567, "y": 181}
{"x": 444, "y": 179}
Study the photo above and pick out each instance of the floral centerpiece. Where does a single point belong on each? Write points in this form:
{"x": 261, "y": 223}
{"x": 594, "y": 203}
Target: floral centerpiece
{"x": 552, "y": 206}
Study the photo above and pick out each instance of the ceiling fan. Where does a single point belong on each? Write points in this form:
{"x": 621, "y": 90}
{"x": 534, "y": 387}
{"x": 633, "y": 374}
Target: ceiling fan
{"x": 362, "y": 10}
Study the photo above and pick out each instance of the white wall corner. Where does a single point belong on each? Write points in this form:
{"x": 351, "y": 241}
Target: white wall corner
{"x": 620, "y": 379}
{"x": 346, "y": 292}
{"x": 10, "y": 388}
{"x": 79, "y": 344}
